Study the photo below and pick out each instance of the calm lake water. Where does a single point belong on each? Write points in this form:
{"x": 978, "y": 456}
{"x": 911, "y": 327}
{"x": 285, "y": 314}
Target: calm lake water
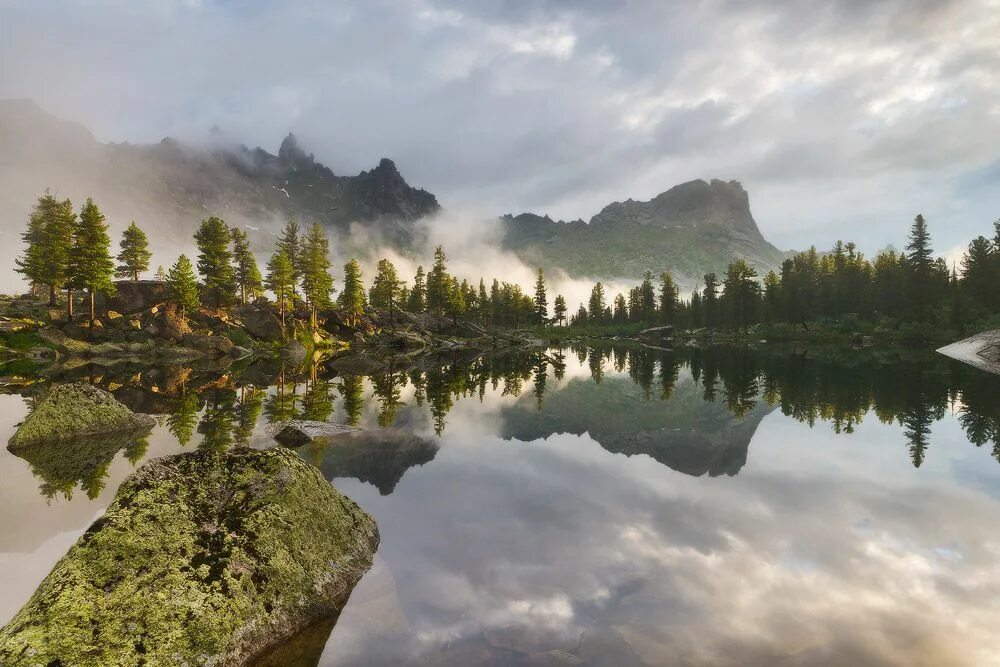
{"x": 603, "y": 506}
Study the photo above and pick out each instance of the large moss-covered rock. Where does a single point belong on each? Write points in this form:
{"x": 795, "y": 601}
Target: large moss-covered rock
{"x": 202, "y": 559}
{"x": 73, "y": 411}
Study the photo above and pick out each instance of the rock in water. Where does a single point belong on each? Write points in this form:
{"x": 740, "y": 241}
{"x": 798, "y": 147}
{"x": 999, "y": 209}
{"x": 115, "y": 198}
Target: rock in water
{"x": 981, "y": 351}
{"x": 202, "y": 559}
{"x": 74, "y": 411}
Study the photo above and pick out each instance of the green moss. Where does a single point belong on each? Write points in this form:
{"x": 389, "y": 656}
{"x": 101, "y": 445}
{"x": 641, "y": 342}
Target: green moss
{"x": 202, "y": 558}
{"x": 76, "y": 410}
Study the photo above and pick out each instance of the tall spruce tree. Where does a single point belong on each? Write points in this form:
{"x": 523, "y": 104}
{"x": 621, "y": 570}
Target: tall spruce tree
{"x": 352, "y": 297}
{"x": 710, "y": 300}
{"x": 559, "y": 309}
{"x": 91, "y": 265}
{"x": 920, "y": 269}
{"x": 48, "y": 241}
{"x": 418, "y": 295}
{"x": 161, "y": 274}
{"x": 135, "y": 254}
{"x": 385, "y": 288}
{"x": 182, "y": 286}
{"x": 290, "y": 241}
{"x": 541, "y": 301}
{"x": 215, "y": 261}
{"x": 248, "y": 278}
{"x": 668, "y": 299}
{"x": 597, "y": 304}
{"x": 438, "y": 284}
{"x": 317, "y": 282}
{"x": 280, "y": 280}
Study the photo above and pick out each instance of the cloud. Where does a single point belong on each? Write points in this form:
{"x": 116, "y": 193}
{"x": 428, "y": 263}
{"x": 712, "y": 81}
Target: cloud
{"x": 560, "y": 107}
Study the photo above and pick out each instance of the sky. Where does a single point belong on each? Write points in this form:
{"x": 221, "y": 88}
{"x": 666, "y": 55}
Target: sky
{"x": 842, "y": 118}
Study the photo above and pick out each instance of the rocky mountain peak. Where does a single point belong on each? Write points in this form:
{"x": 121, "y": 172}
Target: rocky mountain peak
{"x": 291, "y": 152}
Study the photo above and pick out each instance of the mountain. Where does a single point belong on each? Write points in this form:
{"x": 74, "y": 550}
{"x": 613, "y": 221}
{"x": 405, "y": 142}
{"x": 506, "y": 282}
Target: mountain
{"x": 170, "y": 186}
{"x": 690, "y": 229}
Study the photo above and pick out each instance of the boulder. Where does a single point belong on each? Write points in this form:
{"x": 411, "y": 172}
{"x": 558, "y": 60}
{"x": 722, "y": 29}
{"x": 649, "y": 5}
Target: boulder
{"x": 657, "y": 335}
{"x": 134, "y": 295}
{"x": 216, "y": 346}
{"x": 260, "y": 321}
{"x": 72, "y": 411}
{"x": 981, "y": 351}
{"x": 302, "y": 431}
{"x": 202, "y": 559}
{"x": 293, "y": 352}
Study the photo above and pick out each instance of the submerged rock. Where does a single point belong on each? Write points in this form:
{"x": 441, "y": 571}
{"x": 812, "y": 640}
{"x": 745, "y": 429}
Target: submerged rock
{"x": 75, "y": 411}
{"x": 301, "y": 431}
{"x": 202, "y": 559}
{"x": 981, "y": 351}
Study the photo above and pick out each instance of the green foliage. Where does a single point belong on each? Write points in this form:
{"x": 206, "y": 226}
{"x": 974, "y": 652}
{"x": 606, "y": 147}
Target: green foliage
{"x": 438, "y": 284}
{"x": 352, "y": 298}
{"x": 280, "y": 279}
{"x": 49, "y": 242}
{"x": 541, "y": 301}
{"x": 317, "y": 283}
{"x": 289, "y": 242}
{"x": 182, "y": 286}
{"x": 559, "y": 309}
{"x": 215, "y": 261}
{"x": 417, "y": 302}
{"x": 385, "y": 288}
{"x": 91, "y": 266}
{"x": 248, "y": 278}
{"x": 135, "y": 253}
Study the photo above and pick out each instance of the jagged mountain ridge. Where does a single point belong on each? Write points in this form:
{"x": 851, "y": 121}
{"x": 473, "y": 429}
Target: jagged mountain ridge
{"x": 170, "y": 186}
{"x": 690, "y": 229}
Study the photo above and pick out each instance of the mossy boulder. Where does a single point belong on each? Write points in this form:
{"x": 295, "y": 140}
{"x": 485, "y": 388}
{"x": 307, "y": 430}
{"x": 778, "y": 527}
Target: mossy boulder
{"x": 202, "y": 559}
{"x": 72, "y": 411}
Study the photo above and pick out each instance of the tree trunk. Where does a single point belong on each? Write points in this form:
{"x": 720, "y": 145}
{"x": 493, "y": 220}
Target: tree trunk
{"x": 69, "y": 304}
{"x": 52, "y": 295}
{"x": 90, "y": 330}
{"x": 135, "y": 276}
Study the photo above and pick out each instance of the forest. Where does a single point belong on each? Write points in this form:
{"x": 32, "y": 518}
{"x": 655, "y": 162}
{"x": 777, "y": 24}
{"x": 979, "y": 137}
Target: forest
{"x": 910, "y": 293}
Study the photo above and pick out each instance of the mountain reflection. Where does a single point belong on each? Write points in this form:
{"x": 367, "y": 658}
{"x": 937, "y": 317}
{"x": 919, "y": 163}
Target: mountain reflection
{"x": 693, "y": 410}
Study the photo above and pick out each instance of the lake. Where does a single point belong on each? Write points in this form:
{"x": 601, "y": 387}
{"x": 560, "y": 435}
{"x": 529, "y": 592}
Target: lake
{"x": 599, "y": 505}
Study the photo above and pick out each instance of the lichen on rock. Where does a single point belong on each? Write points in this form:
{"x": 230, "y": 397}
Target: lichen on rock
{"x": 202, "y": 559}
{"x": 77, "y": 410}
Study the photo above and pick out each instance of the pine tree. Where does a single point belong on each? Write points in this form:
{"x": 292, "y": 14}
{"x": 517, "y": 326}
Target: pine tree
{"x": 710, "y": 300}
{"x": 161, "y": 274}
{"x": 741, "y": 294}
{"x": 182, "y": 286}
{"x": 438, "y": 284}
{"x": 385, "y": 288}
{"x": 248, "y": 278}
{"x": 668, "y": 299}
{"x": 647, "y": 299}
{"x": 352, "y": 298}
{"x": 135, "y": 254}
{"x": 560, "y": 309}
{"x": 920, "y": 269}
{"x": 541, "y": 301}
{"x": 280, "y": 279}
{"x": 317, "y": 282}
{"x": 456, "y": 300}
{"x": 620, "y": 310}
{"x": 91, "y": 265}
{"x": 289, "y": 241}
{"x": 483, "y": 305}
{"x": 597, "y": 303}
{"x": 49, "y": 240}
{"x": 417, "y": 302}
{"x": 215, "y": 261}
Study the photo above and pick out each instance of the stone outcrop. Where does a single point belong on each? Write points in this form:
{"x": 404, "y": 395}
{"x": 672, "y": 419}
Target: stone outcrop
{"x": 131, "y": 296}
{"x": 202, "y": 559}
{"x": 73, "y": 411}
{"x": 301, "y": 431}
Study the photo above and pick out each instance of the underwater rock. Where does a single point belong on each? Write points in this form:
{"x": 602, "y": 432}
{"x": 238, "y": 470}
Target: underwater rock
{"x": 202, "y": 559}
{"x": 74, "y": 411}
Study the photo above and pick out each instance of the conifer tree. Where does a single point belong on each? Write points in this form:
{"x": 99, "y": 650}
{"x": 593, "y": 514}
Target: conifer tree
{"x": 215, "y": 261}
{"x": 647, "y": 299}
{"x": 49, "y": 240}
{"x": 920, "y": 268}
{"x": 317, "y": 282}
{"x": 135, "y": 254}
{"x": 385, "y": 288}
{"x": 541, "y": 301}
{"x": 248, "y": 278}
{"x": 483, "y": 305}
{"x": 352, "y": 297}
{"x": 710, "y": 300}
{"x": 290, "y": 242}
{"x": 597, "y": 303}
{"x": 161, "y": 274}
{"x": 559, "y": 309}
{"x": 457, "y": 303}
{"x": 620, "y": 310}
{"x": 438, "y": 284}
{"x": 280, "y": 280}
{"x": 91, "y": 265}
{"x": 417, "y": 302}
{"x": 668, "y": 298}
{"x": 182, "y": 286}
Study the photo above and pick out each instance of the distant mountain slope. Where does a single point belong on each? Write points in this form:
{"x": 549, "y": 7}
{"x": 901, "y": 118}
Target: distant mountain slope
{"x": 170, "y": 186}
{"x": 690, "y": 229}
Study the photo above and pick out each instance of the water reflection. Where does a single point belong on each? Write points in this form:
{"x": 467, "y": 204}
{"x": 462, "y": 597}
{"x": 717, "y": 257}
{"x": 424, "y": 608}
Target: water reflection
{"x": 530, "y": 514}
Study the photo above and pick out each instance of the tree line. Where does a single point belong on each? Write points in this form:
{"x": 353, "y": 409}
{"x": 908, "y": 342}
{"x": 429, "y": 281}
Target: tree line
{"x": 838, "y": 286}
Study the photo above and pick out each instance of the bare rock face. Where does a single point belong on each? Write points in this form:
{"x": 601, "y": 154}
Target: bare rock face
{"x": 132, "y": 296}
{"x": 202, "y": 559}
